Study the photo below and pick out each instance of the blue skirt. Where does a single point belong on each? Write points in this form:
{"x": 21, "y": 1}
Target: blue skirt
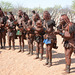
{"x": 47, "y": 41}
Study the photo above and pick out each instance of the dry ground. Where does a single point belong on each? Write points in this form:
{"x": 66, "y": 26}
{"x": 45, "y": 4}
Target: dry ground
{"x": 14, "y": 63}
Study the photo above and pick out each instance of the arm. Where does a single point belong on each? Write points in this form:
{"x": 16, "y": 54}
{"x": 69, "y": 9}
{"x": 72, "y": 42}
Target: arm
{"x": 68, "y": 35}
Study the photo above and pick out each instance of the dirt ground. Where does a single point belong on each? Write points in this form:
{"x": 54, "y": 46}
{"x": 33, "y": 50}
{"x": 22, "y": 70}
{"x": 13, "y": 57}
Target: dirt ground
{"x": 14, "y": 63}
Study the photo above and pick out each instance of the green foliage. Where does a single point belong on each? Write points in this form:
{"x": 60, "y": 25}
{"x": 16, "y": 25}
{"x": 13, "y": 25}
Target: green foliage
{"x": 38, "y": 9}
{"x": 57, "y": 7}
{"x": 6, "y": 6}
{"x": 48, "y": 8}
{"x": 73, "y": 4}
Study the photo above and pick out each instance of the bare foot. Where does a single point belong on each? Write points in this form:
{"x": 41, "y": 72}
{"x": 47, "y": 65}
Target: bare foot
{"x": 1, "y": 47}
{"x": 65, "y": 69}
{"x": 49, "y": 65}
{"x": 19, "y": 51}
{"x": 28, "y": 53}
{"x": 9, "y": 48}
{"x": 45, "y": 64}
{"x": 31, "y": 53}
{"x": 22, "y": 51}
{"x": 36, "y": 57}
{"x": 4, "y": 47}
{"x": 13, "y": 49}
{"x": 41, "y": 59}
{"x": 64, "y": 73}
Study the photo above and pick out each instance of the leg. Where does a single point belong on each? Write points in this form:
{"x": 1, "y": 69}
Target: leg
{"x": 4, "y": 40}
{"x": 29, "y": 46}
{"x": 15, "y": 34}
{"x": 41, "y": 50}
{"x": 1, "y": 43}
{"x": 1, "y": 40}
{"x": 50, "y": 54}
{"x": 55, "y": 43}
{"x": 74, "y": 51}
{"x": 37, "y": 50}
{"x": 19, "y": 43}
{"x": 22, "y": 38}
{"x": 13, "y": 43}
{"x": 47, "y": 56}
{"x": 9, "y": 42}
{"x": 68, "y": 53}
{"x": 1, "y": 36}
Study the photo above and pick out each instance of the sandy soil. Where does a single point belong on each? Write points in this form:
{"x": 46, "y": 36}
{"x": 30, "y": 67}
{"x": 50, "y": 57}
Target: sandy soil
{"x": 14, "y": 63}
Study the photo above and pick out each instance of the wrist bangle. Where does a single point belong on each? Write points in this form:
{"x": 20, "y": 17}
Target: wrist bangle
{"x": 61, "y": 34}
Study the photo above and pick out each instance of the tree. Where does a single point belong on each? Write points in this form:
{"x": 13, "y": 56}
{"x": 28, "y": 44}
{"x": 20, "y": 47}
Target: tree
{"x": 57, "y": 7}
{"x": 73, "y": 5}
{"x": 38, "y": 10}
{"x": 47, "y": 9}
{"x": 6, "y": 6}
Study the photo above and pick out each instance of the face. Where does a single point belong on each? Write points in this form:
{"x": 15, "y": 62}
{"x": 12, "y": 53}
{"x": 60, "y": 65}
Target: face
{"x": 20, "y": 13}
{"x": 46, "y": 17}
{"x": 62, "y": 21}
{"x": 50, "y": 28}
{"x": 39, "y": 23}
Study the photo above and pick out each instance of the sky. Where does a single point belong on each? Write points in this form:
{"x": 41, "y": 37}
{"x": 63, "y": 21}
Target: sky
{"x": 40, "y": 3}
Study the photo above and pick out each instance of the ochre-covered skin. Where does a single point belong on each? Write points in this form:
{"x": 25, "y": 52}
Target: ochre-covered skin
{"x": 11, "y": 31}
{"x": 68, "y": 39}
{"x": 35, "y": 18}
{"x": 21, "y": 30}
{"x": 39, "y": 39}
{"x": 31, "y": 35}
{"x": 49, "y": 37}
{"x": 2, "y": 29}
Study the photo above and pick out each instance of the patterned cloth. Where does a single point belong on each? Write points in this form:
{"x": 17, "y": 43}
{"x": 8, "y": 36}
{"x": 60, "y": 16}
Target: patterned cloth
{"x": 47, "y": 41}
{"x": 18, "y": 32}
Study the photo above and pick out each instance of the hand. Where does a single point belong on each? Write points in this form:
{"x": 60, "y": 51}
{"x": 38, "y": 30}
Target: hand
{"x": 2, "y": 24}
{"x": 6, "y": 25}
{"x": 28, "y": 29}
